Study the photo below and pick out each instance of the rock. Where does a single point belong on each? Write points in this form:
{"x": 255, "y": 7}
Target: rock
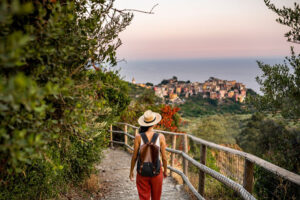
{"x": 179, "y": 187}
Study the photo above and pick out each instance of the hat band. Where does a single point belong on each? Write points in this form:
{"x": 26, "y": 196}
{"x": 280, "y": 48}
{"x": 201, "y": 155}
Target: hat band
{"x": 150, "y": 121}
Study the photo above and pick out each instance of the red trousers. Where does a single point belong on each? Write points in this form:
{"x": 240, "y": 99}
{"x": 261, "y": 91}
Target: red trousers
{"x": 149, "y": 186}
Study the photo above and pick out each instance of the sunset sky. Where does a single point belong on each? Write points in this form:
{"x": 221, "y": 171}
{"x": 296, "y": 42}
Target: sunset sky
{"x": 183, "y": 29}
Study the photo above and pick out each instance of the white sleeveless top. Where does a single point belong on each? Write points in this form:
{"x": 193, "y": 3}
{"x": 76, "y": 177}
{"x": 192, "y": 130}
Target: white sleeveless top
{"x": 157, "y": 143}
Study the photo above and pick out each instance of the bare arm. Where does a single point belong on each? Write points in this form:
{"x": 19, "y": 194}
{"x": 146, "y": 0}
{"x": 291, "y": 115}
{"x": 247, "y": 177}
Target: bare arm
{"x": 137, "y": 141}
{"x": 163, "y": 146}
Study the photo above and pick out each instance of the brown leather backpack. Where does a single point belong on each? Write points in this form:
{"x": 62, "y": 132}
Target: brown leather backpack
{"x": 148, "y": 157}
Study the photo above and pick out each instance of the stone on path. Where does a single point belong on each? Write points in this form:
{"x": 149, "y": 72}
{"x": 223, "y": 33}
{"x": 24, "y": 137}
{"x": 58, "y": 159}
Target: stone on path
{"x": 114, "y": 174}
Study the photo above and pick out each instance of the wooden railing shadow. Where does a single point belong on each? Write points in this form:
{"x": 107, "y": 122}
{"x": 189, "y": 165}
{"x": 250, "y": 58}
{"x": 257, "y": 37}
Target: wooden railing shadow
{"x": 244, "y": 191}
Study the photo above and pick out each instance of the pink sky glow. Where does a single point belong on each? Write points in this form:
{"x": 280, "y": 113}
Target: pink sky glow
{"x": 203, "y": 29}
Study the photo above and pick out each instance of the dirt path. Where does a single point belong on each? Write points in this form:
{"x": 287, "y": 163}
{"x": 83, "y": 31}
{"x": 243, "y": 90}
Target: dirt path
{"x": 114, "y": 171}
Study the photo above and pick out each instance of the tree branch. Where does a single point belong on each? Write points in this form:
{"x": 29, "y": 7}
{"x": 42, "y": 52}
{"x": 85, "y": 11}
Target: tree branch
{"x": 135, "y": 10}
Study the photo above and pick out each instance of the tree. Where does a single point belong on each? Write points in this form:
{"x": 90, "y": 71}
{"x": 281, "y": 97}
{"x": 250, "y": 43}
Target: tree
{"x": 289, "y": 17}
{"x": 170, "y": 118}
{"x": 272, "y": 141}
{"x": 56, "y": 99}
{"x": 280, "y": 83}
{"x": 142, "y": 100}
{"x": 149, "y": 84}
{"x": 164, "y": 82}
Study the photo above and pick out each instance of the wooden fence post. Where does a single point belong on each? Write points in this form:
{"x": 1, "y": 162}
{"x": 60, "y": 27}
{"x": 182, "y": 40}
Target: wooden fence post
{"x": 136, "y": 131}
{"x": 201, "y": 173}
{"x": 185, "y": 150}
{"x": 125, "y": 136}
{"x": 248, "y": 176}
{"x": 173, "y": 154}
{"x": 111, "y": 136}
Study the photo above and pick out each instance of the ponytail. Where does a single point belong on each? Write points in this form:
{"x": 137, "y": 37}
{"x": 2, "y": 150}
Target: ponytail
{"x": 144, "y": 129}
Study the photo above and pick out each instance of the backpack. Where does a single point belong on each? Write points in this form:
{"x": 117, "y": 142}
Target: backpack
{"x": 148, "y": 157}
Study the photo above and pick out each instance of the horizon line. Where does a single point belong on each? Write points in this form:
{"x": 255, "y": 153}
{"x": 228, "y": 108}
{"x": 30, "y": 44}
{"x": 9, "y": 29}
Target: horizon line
{"x": 205, "y": 58}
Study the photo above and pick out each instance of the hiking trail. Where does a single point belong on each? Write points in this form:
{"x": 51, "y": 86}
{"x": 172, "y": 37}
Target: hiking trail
{"x": 114, "y": 173}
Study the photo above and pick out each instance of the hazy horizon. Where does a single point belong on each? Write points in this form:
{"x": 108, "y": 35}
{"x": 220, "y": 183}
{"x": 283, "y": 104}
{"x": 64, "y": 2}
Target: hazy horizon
{"x": 240, "y": 69}
{"x": 194, "y": 40}
{"x": 204, "y": 58}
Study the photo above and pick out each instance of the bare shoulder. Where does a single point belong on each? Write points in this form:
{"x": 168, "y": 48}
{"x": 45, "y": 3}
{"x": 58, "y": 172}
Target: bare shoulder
{"x": 138, "y": 137}
{"x": 162, "y": 137}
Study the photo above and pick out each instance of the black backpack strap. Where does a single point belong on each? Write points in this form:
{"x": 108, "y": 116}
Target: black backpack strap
{"x": 154, "y": 138}
{"x": 144, "y": 138}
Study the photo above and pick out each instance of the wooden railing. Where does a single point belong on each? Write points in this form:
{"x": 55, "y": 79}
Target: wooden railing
{"x": 245, "y": 190}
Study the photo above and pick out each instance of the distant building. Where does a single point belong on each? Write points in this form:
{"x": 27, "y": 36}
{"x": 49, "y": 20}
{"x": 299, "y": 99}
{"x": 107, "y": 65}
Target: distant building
{"x": 222, "y": 93}
{"x": 232, "y": 82}
{"x": 173, "y": 96}
{"x": 230, "y": 94}
{"x": 141, "y": 85}
{"x": 213, "y": 95}
{"x": 243, "y": 92}
{"x": 213, "y": 88}
{"x": 178, "y": 90}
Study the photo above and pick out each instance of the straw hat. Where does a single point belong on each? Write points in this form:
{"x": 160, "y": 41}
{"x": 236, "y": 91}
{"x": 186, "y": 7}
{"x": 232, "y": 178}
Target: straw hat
{"x": 149, "y": 118}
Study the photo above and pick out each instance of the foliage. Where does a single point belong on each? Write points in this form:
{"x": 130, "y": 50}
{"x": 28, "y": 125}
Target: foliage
{"x": 273, "y": 141}
{"x": 213, "y": 188}
{"x": 222, "y": 129}
{"x": 280, "y": 83}
{"x": 289, "y": 17}
{"x": 149, "y": 84}
{"x": 142, "y": 99}
{"x": 270, "y": 139}
{"x": 170, "y": 118}
{"x": 280, "y": 87}
{"x": 196, "y": 106}
{"x": 54, "y": 109}
{"x": 164, "y": 82}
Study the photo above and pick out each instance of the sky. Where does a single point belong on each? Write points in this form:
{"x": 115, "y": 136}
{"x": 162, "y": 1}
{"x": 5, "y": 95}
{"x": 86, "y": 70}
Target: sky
{"x": 185, "y": 29}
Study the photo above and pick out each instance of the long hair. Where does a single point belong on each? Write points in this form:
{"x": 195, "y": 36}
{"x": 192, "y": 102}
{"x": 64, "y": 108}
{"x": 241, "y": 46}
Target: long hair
{"x": 144, "y": 129}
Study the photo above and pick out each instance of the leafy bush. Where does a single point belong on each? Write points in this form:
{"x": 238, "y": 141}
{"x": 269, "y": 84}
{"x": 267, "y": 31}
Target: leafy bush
{"x": 54, "y": 110}
{"x": 142, "y": 99}
{"x": 273, "y": 141}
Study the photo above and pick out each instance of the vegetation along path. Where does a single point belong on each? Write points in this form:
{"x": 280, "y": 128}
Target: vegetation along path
{"x": 114, "y": 170}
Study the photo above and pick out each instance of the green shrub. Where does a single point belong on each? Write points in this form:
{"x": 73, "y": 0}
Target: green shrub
{"x": 54, "y": 107}
{"x": 274, "y": 141}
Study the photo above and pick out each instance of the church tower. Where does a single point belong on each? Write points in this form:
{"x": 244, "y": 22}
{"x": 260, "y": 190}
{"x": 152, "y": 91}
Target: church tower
{"x": 133, "y": 81}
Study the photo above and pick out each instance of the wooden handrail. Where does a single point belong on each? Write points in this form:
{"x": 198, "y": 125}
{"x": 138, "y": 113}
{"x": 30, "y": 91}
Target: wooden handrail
{"x": 187, "y": 182}
{"x": 230, "y": 183}
{"x": 281, "y": 172}
{"x": 216, "y": 175}
{"x": 295, "y": 178}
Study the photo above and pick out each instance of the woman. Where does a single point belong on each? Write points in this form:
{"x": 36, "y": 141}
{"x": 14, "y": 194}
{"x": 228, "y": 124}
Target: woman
{"x": 149, "y": 186}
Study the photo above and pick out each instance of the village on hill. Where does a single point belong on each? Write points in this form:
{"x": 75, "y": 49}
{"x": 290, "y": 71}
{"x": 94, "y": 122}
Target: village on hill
{"x": 174, "y": 91}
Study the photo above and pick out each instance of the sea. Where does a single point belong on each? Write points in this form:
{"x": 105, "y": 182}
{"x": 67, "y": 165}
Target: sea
{"x": 244, "y": 70}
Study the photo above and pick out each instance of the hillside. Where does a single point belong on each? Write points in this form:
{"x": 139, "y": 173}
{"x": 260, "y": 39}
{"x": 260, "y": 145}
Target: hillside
{"x": 196, "y": 106}
{"x": 222, "y": 129}
{"x": 135, "y": 90}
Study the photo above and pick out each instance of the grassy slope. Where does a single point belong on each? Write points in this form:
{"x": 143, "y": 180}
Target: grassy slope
{"x": 196, "y": 106}
{"x": 228, "y": 127}
{"x": 135, "y": 91}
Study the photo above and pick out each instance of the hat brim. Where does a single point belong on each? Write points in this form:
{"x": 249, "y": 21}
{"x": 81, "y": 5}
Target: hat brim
{"x": 156, "y": 121}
